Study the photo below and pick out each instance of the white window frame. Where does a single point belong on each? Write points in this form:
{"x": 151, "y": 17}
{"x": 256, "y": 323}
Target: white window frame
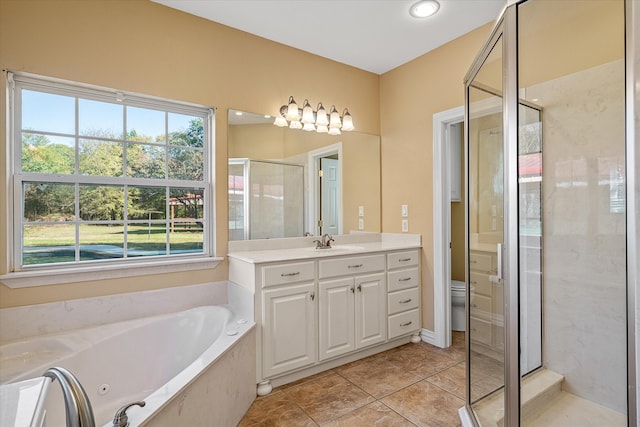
{"x": 43, "y": 274}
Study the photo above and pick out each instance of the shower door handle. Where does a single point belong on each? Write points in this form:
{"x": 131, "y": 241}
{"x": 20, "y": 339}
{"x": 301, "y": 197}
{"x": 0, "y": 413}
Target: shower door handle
{"x": 499, "y": 259}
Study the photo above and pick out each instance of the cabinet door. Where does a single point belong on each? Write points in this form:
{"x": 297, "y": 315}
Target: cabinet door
{"x": 336, "y": 317}
{"x": 371, "y": 309}
{"x": 289, "y": 338}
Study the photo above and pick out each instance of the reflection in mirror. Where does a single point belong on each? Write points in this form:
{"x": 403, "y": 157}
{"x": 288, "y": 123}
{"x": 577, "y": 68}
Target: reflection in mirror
{"x": 306, "y": 200}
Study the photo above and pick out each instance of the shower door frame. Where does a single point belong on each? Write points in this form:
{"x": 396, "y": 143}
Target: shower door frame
{"x": 508, "y": 252}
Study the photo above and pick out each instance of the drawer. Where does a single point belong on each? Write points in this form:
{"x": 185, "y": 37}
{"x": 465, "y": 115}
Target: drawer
{"x": 480, "y": 331}
{"x": 350, "y": 265}
{"x": 403, "y": 300}
{"x": 481, "y": 306}
{"x": 482, "y": 261}
{"x": 273, "y": 275}
{"x": 402, "y": 259}
{"x": 480, "y": 282}
{"x": 403, "y": 323}
{"x": 403, "y": 279}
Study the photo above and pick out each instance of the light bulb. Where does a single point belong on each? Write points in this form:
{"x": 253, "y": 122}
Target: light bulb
{"x": 307, "y": 113}
{"x": 347, "y": 121}
{"x": 292, "y": 110}
{"x": 334, "y": 119}
{"x": 321, "y": 116}
{"x": 281, "y": 122}
{"x": 424, "y": 8}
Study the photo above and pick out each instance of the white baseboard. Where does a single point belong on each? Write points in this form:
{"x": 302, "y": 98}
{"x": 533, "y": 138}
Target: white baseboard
{"x": 428, "y": 336}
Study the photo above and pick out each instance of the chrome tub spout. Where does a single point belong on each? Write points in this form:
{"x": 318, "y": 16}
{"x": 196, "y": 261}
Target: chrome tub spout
{"x": 77, "y": 406}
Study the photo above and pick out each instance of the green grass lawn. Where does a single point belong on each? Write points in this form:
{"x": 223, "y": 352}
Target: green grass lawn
{"x": 105, "y": 241}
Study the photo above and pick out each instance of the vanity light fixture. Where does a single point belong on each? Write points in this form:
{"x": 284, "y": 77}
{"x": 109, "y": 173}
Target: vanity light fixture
{"x": 306, "y": 118}
{"x": 424, "y": 8}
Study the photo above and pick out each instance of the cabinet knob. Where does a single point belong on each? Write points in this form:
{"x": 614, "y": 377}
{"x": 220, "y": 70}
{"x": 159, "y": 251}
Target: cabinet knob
{"x": 353, "y": 290}
{"x": 359, "y": 288}
{"x": 312, "y": 295}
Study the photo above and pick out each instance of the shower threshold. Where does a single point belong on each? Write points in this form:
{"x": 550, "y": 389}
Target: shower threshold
{"x": 545, "y": 404}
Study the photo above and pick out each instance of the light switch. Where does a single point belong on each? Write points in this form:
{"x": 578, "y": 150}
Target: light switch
{"x": 360, "y": 210}
{"x": 405, "y": 211}
{"x": 361, "y": 224}
{"x": 405, "y": 225}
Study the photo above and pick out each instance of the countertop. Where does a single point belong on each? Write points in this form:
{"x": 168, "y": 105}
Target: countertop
{"x": 344, "y": 245}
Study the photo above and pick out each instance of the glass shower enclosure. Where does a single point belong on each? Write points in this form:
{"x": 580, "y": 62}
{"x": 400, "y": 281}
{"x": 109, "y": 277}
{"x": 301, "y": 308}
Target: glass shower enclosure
{"x": 266, "y": 199}
{"x": 546, "y": 234}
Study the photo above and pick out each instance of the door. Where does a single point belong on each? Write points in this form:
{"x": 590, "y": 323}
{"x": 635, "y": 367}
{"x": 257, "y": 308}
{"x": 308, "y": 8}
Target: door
{"x": 370, "y": 310}
{"x": 289, "y": 328}
{"x": 330, "y": 195}
{"x": 336, "y": 317}
{"x": 486, "y": 209}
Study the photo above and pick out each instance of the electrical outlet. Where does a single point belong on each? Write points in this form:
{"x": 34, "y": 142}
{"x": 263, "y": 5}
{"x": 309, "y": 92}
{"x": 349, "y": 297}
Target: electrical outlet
{"x": 360, "y": 210}
{"x": 361, "y": 224}
{"x": 405, "y": 225}
{"x": 405, "y": 211}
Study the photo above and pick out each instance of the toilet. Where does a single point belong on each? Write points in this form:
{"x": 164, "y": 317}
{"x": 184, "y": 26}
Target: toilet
{"x": 458, "y": 293}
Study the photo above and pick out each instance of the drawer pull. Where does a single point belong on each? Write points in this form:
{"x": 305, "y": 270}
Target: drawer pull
{"x": 404, "y": 301}
{"x": 404, "y": 259}
{"x": 406, "y": 324}
{"x": 404, "y": 279}
{"x": 355, "y": 265}
{"x": 290, "y": 274}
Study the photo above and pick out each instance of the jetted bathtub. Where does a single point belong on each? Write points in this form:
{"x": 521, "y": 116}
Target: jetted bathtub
{"x": 183, "y": 365}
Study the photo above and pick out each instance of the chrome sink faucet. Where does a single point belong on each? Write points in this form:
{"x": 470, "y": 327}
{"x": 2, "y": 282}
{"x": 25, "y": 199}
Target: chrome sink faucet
{"x": 325, "y": 242}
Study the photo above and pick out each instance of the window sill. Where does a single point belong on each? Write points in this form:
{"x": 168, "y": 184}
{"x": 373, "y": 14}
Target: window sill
{"x": 27, "y": 279}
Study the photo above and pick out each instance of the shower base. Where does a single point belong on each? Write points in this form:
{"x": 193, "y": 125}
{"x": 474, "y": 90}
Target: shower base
{"x": 545, "y": 404}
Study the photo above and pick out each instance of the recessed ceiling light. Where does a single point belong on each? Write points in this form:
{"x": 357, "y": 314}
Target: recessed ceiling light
{"x": 424, "y": 8}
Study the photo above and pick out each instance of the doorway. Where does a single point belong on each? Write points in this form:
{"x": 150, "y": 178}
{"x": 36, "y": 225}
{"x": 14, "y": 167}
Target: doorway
{"x": 446, "y": 128}
{"x": 325, "y": 190}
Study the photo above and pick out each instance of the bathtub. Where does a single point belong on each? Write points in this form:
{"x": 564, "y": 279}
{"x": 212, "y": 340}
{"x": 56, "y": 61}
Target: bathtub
{"x": 183, "y": 365}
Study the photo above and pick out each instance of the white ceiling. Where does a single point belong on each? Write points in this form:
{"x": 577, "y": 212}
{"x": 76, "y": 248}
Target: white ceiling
{"x": 373, "y": 35}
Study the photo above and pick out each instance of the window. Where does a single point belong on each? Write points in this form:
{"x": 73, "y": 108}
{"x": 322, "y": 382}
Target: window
{"x": 105, "y": 177}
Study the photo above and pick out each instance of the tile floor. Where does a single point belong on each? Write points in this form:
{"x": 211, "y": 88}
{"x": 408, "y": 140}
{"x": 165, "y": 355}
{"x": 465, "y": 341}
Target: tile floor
{"x": 411, "y": 385}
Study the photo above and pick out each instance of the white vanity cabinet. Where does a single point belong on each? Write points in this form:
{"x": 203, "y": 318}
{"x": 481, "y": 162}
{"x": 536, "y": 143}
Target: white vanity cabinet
{"x": 403, "y": 299}
{"x": 317, "y": 310}
{"x": 289, "y": 312}
{"x": 352, "y": 307}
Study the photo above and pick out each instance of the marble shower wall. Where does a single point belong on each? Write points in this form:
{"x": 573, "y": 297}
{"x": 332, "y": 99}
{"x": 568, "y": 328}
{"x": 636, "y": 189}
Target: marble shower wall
{"x": 584, "y": 231}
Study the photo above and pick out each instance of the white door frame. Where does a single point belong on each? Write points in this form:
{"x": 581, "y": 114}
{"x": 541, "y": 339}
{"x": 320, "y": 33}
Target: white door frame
{"x": 313, "y": 162}
{"x": 442, "y": 123}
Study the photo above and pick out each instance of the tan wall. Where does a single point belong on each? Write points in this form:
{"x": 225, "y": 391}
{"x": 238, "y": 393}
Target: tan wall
{"x": 143, "y": 47}
{"x": 409, "y": 97}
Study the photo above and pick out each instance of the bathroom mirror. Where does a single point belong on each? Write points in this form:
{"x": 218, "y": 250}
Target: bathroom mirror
{"x": 276, "y": 189}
